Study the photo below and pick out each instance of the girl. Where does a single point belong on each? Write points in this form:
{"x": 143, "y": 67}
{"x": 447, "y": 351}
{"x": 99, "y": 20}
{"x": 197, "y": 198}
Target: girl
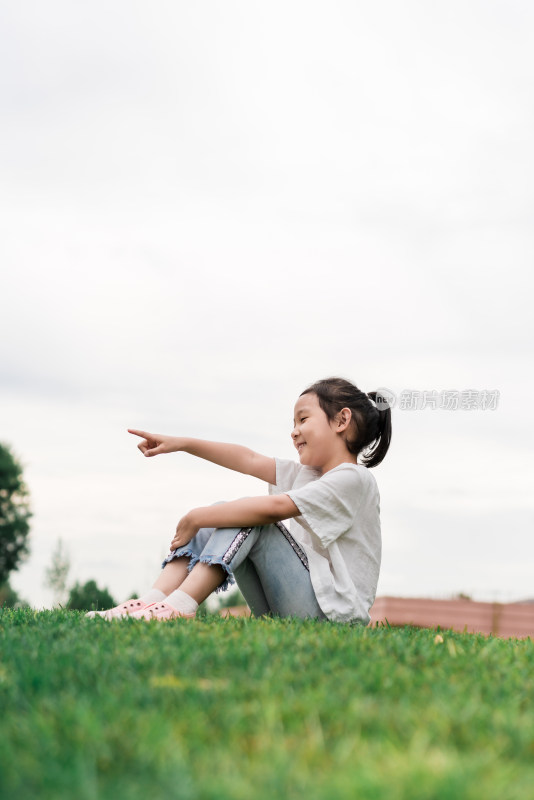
{"x": 326, "y": 566}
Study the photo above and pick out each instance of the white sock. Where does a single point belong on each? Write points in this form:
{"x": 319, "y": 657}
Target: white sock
{"x": 182, "y": 602}
{"x": 152, "y": 596}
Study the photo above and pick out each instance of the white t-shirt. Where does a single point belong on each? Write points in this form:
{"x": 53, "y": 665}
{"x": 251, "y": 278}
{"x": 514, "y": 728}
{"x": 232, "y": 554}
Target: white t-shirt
{"x": 339, "y": 530}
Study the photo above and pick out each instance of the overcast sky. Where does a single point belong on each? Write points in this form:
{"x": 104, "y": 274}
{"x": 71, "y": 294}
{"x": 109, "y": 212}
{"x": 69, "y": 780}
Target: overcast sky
{"x": 206, "y": 207}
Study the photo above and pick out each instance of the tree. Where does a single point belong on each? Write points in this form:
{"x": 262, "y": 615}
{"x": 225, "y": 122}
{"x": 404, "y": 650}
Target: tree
{"x": 89, "y": 597}
{"x": 14, "y": 514}
{"x": 56, "y": 574}
{"x": 10, "y": 598}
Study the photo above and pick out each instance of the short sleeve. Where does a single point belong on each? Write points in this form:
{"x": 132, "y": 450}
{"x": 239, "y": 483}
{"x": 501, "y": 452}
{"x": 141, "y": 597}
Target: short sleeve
{"x": 328, "y": 506}
{"x": 286, "y": 474}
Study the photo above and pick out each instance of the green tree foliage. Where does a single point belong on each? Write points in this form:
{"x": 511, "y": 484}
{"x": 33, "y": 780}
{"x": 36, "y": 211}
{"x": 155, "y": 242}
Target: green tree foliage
{"x": 14, "y": 514}
{"x": 56, "y": 574}
{"x": 9, "y": 598}
{"x": 89, "y": 597}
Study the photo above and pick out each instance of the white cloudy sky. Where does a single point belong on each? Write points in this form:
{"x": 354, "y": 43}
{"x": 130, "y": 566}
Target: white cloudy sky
{"x": 205, "y": 207}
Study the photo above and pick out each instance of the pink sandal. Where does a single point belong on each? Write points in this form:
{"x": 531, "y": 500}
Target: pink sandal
{"x": 124, "y": 610}
{"x": 160, "y": 611}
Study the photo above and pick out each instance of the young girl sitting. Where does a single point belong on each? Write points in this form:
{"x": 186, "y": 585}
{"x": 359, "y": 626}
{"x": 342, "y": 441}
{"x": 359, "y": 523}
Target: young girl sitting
{"x": 327, "y": 565}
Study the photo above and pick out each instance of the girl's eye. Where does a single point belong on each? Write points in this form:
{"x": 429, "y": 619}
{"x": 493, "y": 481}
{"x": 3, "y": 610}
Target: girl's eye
{"x": 302, "y": 419}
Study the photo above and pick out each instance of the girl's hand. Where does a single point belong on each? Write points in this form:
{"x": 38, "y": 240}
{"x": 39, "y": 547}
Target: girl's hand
{"x": 185, "y": 530}
{"x": 156, "y": 443}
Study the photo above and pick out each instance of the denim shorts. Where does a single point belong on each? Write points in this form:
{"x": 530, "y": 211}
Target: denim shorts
{"x": 268, "y": 564}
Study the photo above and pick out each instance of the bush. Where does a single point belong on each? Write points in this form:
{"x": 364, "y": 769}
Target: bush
{"x": 89, "y": 597}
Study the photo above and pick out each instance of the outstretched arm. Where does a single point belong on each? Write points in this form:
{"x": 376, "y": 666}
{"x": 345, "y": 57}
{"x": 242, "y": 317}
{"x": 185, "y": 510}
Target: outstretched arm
{"x": 231, "y": 456}
{"x": 247, "y": 511}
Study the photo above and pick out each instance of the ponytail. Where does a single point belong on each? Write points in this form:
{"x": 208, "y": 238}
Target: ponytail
{"x": 376, "y": 453}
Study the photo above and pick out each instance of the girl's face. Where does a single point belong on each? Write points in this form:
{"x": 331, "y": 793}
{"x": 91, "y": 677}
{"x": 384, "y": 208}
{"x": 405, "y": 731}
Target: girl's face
{"x": 316, "y": 438}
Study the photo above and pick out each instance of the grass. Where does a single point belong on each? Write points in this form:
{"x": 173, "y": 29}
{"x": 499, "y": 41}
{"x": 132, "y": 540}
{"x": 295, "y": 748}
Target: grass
{"x": 259, "y": 708}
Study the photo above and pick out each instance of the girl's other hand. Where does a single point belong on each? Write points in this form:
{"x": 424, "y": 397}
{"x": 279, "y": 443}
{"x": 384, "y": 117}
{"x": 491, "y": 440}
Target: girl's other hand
{"x": 155, "y": 443}
{"x": 185, "y": 530}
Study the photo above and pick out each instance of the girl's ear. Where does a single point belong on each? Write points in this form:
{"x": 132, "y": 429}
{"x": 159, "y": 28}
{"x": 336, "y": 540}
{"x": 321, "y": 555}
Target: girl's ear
{"x": 344, "y": 419}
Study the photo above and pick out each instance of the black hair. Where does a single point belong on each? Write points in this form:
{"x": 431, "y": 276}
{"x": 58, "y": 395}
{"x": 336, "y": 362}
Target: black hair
{"x": 370, "y": 423}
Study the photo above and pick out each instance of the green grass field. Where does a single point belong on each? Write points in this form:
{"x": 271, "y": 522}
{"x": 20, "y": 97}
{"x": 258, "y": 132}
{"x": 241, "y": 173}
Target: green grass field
{"x": 243, "y": 708}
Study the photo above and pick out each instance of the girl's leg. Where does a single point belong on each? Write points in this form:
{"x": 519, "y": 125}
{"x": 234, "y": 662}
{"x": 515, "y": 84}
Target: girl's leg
{"x": 250, "y": 585}
{"x": 279, "y": 562}
{"x": 283, "y": 569}
{"x": 202, "y": 581}
{"x": 184, "y": 582}
{"x": 176, "y": 567}
{"x": 172, "y": 575}
{"x": 179, "y": 563}
{"x": 206, "y": 578}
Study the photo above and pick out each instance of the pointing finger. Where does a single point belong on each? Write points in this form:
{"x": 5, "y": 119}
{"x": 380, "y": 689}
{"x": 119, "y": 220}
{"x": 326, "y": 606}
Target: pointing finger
{"x": 139, "y": 433}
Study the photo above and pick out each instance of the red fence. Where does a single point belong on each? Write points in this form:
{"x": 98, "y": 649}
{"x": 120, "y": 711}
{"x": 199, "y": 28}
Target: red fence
{"x": 500, "y": 619}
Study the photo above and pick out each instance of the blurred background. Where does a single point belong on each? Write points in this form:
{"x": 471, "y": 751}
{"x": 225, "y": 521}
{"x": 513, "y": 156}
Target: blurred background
{"x": 206, "y": 207}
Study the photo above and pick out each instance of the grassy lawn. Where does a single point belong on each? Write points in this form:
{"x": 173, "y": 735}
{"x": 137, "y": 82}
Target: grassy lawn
{"x": 243, "y": 708}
